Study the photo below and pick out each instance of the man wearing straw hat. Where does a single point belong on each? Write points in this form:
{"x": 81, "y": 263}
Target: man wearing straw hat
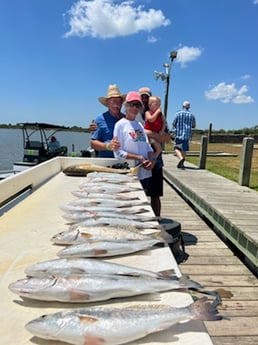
{"x": 101, "y": 139}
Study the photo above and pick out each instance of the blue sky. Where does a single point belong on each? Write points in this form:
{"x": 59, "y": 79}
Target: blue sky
{"x": 58, "y": 56}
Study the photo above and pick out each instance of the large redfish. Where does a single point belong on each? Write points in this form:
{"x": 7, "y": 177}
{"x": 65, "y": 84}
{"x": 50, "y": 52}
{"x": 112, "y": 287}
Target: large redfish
{"x": 95, "y": 287}
{"x": 114, "y": 326}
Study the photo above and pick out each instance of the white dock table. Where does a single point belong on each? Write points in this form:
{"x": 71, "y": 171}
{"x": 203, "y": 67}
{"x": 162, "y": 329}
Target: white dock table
{"x": 25, "y": 232}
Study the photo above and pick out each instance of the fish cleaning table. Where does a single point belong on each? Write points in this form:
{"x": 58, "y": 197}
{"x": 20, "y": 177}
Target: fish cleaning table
{"x": 25, "y": 233}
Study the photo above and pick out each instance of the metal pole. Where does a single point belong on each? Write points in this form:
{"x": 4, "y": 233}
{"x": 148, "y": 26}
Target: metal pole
{"x": 173, "y": 55}
{"x": 166, "y": 95}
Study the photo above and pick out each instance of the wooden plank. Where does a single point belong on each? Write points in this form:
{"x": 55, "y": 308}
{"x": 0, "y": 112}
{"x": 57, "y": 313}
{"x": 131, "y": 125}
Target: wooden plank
{"x": 213, "y": 270}
{"x": 226, "y": 260}
{"x": 216, "y": 281}
{"x": 217, "y": 267}
{"x": 240, "y": 340}
{"x": 237, "y": 326}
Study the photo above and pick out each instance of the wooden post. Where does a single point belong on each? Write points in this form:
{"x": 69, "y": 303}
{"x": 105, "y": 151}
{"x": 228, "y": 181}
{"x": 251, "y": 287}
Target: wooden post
{"x": 203, "y": 152}
{"x": 246, "y": 161}
{"x": 209, "y": 132}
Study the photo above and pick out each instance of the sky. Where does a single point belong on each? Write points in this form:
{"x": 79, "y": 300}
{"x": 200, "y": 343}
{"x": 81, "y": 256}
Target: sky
{"x": 58, "y": 56}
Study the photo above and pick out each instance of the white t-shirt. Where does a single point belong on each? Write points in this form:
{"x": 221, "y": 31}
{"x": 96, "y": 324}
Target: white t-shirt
{"x": 133, "y": 139}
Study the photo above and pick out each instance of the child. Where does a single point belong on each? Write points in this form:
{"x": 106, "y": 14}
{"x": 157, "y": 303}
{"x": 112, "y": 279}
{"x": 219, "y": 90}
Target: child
{"x": 155, "y": 122}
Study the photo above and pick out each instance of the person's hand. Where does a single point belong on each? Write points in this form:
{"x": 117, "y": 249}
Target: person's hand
{"x": 114, "y": 144}
{"x": 93, "y": 126}
{"x": 148, "y": 164}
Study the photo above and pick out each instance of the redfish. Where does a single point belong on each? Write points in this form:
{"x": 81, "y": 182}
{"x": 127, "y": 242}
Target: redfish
{"x": 89, "y": 266}
{"x": 114, "y": 326}
{"x": 92, "y": 249}
{"x": 94, "y": 287}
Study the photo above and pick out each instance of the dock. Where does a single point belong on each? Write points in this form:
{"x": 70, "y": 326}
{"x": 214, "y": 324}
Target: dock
{"x": 219, "y": 222}
{"x": 26, "y": 230}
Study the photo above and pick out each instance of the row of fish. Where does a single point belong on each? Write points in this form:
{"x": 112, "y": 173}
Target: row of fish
{"x": 97, "y": 230}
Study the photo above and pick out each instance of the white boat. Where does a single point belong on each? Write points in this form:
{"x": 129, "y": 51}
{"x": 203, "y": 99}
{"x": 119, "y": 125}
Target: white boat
{"x": 36, "y": 137}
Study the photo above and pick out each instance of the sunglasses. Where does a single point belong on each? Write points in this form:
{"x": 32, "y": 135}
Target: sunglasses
{"x": 134, "y": 104}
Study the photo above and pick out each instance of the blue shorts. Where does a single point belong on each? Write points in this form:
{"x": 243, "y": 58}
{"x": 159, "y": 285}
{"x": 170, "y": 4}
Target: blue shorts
{"x": 182, "y": 145}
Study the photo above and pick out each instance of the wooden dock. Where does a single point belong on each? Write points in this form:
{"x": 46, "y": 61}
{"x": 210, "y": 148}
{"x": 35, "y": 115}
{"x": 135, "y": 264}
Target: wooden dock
{"x": 191, "y": 197}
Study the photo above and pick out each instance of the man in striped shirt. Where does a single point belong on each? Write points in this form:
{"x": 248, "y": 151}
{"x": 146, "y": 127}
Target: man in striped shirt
{"x": 183, "y": 123}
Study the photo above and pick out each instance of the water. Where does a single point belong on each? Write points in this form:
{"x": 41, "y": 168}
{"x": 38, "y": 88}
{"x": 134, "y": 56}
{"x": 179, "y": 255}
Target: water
{"x": 11, "y": 145}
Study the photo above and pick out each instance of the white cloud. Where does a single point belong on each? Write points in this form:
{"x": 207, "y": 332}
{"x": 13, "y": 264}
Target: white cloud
{"x": 187, "y": 54}
{"x": 152, "y": 39}
{"x": 228, "y": 93}
{"x": 246, "y": 76}
{"x": 108, "y": 19}
{"x": 255, "y": 2}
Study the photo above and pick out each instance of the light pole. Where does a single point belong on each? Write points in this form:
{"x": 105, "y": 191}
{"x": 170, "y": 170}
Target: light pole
{"x": 166, "y": 76}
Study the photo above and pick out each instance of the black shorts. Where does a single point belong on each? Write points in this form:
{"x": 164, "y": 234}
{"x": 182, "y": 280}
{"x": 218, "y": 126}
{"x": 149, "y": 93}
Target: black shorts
{"x": 155, "y": 187}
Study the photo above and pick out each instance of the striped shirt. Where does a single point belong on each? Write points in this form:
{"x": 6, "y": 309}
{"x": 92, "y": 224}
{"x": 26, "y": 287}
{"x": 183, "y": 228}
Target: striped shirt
{"x": 183, "y": 122}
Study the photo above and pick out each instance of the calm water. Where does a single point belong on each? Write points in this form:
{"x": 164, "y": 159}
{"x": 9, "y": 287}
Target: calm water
{"x": 11, "y": 145}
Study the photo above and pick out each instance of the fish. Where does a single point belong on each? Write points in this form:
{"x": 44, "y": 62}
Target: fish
{"x": 84, "y": 169}
{"x": 95, "y": 287}
{"x": 89, "y": 266}
{"x": 111, "y": 187}
{"x": 81, "y": 215}
{"x": 87, "y": 200}
{"x": 94, "y": 249}
{"x": 111, "y": 196}
{"x": 107, "y": 177}
{"x": 107, "y": 233}
{"x": 114, "y": 326}
{"x": 116, "y": 221}
{"x": 79, "y": 205}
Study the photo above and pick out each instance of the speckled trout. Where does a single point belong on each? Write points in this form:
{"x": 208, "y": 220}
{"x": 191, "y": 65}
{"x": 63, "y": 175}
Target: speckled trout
{"x": 114, "y": 326}
{"x": 94, "y": 287}
{"x": 114, "y": 203}
{"x": 110, "y": 196}
{"x": 81, "y": 215}
{"x": 89, "y": 266}
{"x": 79, "y": 205}
{"x": 108, "y": 188}
{"x": 115, "y": 221}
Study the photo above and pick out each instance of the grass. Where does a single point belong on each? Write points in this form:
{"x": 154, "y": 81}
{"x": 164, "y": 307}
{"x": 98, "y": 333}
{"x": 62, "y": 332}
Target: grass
{"x": 225, "y": 166}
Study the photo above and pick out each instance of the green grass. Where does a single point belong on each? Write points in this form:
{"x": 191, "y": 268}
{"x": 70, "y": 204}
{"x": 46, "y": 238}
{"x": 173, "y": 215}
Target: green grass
{"x": 227, "y": 167}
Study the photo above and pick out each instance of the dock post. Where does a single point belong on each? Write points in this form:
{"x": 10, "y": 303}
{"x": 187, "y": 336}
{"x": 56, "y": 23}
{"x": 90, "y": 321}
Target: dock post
{"x": 209, "y": 132}
{"x": 203, "y": 152}
{"x": 246, "y": 161}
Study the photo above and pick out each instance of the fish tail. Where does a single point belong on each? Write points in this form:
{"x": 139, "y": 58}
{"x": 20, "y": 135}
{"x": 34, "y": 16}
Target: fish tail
{"x": 189, "y": 283}
{"x": 202, "y": 309}
{"x": 163, "y": 236}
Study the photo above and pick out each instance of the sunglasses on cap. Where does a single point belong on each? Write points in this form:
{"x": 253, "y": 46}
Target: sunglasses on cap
{"x": 134, "y": 104}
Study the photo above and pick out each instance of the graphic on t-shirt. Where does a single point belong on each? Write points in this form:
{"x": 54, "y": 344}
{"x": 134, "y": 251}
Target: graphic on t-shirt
{"x": 137, "y": 135}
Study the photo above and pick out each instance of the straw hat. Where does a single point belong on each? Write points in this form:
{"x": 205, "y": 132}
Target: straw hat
{"x": 113, "y": 91}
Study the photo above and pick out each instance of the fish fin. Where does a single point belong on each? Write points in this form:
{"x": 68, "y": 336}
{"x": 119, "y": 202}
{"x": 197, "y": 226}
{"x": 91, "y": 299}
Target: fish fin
{"x": 75, "y": 270}
{"x": 86, "y": 235}
{"x": 166, "y": 273}
{"x": 202, "y": 309}
{"x": 188, "y": 283}
{"x": 92, "y": 340}
{"x": 77, "y": 295}
{"x": 100, "y": 251}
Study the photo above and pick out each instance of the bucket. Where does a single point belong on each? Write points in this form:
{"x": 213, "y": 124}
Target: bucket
{"x": 174, "y": 229}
